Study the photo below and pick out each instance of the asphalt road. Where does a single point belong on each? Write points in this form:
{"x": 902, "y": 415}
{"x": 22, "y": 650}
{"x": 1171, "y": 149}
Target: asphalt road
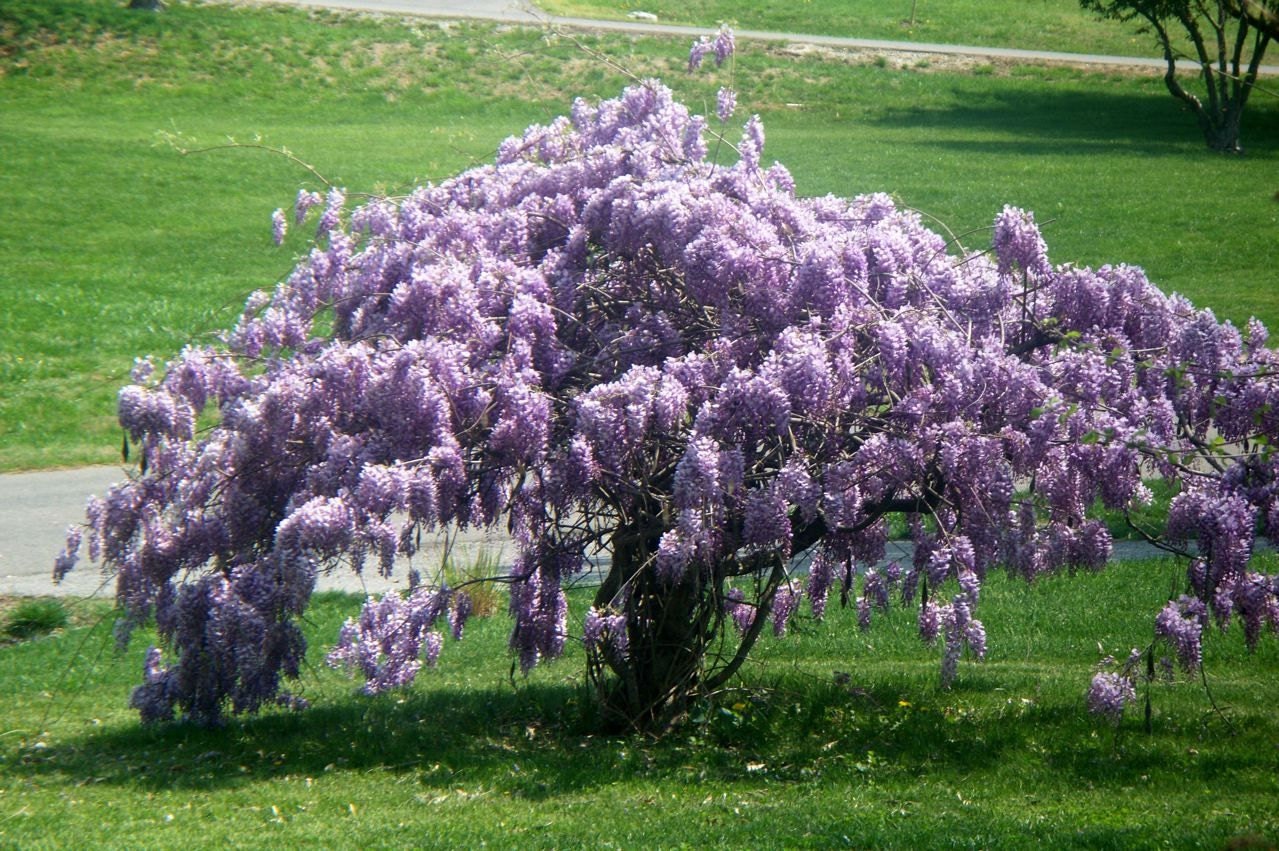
{"x": 37, "y": 508}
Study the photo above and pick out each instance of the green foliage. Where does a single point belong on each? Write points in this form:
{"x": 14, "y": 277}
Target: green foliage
{"x": 34, "y": 617}
{"x": 472, "y": 575}
{"x": 1151, "y": 519}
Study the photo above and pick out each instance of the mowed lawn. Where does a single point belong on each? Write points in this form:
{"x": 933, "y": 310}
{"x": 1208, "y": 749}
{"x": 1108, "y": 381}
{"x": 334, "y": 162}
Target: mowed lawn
{"x": 1055, "y": 25}
{"x": 830, "y": 738}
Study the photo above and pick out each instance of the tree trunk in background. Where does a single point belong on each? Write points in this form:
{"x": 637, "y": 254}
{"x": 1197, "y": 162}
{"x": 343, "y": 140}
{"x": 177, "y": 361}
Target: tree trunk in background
{"x": 1230, "y": 38}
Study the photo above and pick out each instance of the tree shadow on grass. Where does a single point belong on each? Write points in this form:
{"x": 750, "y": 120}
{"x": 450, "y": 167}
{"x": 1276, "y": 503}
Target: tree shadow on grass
{"x": 543, "y": 741}
{"x": 534, "y": 741}
{"x": 1041, "y": 120}
{"x": 434, "y": 734}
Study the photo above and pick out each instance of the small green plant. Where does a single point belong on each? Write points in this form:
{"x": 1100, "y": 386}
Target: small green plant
{"x": 487, "y": 598}
{"x": 34, "y": 617}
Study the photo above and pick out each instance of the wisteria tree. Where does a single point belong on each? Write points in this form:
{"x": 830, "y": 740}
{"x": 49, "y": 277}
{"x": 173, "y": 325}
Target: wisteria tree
{"x": 616, "y": 347}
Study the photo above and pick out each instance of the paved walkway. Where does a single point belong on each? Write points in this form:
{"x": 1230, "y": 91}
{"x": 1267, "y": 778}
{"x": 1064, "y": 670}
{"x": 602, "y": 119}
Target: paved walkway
{"x": 37, "y": 508}
{"x": 513, "y": 11}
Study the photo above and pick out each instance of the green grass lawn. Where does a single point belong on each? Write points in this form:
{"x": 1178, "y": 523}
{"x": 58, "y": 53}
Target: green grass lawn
{"x": 792, "y": 756}
{"x": 115, "y": 245}
{"x": 1058, "y": 25}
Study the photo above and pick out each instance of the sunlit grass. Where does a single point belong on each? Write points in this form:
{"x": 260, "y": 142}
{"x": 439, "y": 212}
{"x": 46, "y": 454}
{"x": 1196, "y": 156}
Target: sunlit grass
{"x": 31, "y": 618}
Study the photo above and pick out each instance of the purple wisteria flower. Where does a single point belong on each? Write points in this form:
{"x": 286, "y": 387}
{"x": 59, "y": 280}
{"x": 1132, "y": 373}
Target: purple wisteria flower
{"x": 725, "y": 104}
{"x": 698, "y": 51}
{"x": 392, "y": 639}
{"x": 304, "y": 202}
{"x": 1181, "y": 623}
{"x": 785, "y": 604}
{"x": 605, "y": 632}
{"x": 742, "y": 612}
{"x": 279, "y": 227}
{"x": 1109, "y": 693}
{"x": 606, "y": 343}
{"x": 725, "y": 44}
{"x": 721, "y": 47}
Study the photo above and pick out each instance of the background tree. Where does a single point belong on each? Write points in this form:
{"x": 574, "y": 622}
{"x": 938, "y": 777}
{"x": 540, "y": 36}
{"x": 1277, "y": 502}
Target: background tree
{"x": 1229, "y": 38}
{"x": 1262, "y": 14}
{"x": 619, "y": 348}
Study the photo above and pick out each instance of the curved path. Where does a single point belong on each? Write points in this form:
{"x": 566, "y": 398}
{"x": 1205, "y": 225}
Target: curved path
{"x": 37, "y": 508}
{"x": 512, "y": 11}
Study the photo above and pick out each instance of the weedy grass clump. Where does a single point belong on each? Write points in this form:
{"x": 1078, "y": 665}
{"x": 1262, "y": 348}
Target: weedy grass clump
{"x": 34, "y": 617}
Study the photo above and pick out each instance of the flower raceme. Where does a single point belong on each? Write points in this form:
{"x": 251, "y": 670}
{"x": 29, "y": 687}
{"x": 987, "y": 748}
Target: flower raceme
{"x": 605, "y": 340}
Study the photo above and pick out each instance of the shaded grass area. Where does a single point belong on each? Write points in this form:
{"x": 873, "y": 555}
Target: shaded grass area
{"x": 1058, "y": 25}
{"x": 118, "y": 245}
{"x": 831, "y": 738}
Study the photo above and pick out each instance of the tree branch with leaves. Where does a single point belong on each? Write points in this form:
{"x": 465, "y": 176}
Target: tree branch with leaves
{"x": 1229, "y": 40}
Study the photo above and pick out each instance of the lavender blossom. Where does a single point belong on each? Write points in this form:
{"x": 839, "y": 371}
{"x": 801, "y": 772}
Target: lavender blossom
{"x": 785, "y": 604}
{"x": 392, "y": 639}
{"x": 863, "y": 614}
{"x": 725, "y": 104}
{"x": 724, "y": 45}
{"x": 821, "y": 572}
{"x": 329, "y": 219}
{"x": 1018, "y": 244}
{"x": 304, "y": 202}
{"x": 1109, "y": 693}
{"x": 876, "y": 588}
{"x": 459, "y": 613}
{"x": 1181, "y": 623}
{"x": 279, "y": 227}
{"x": 155, "y": 697}
{"x": 929, "y": 622}
{"x": 698, "y": 52}
{"x": 70, "y": 554}
{"x": 742, "y": 613}
{"x": 605, "y": 632}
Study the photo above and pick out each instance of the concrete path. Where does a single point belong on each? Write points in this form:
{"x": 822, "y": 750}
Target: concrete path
{"x": 37, "y": 508}
{"x": 35, "y": 511}
{"x": 516, "y": 12}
